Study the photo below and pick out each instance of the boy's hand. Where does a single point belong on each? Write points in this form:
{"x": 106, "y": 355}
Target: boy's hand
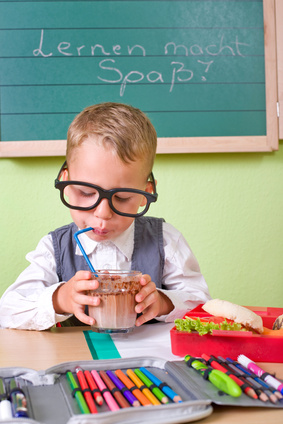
{"x": 71, "y": 297}
{"x": 151, "y": 303}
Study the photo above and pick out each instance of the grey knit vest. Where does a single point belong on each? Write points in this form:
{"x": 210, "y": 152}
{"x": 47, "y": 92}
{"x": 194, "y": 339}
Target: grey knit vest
{"x": 148, "y": 254}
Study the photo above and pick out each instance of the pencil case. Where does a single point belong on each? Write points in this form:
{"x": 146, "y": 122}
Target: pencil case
{"x": 262, "y": 348}
{"x": 49, "y": 398}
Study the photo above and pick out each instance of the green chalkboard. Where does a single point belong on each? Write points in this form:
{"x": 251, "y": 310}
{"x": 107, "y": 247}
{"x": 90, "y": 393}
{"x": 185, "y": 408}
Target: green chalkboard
{"x": 196, "y": 67}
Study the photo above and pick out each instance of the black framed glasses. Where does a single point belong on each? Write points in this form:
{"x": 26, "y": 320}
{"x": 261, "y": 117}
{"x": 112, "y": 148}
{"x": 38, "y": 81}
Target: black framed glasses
{"x": 123, "y": 201}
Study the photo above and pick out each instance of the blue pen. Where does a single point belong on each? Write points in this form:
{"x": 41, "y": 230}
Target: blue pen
{"x": 246, "y": 371}
{"x": 239, "y": 366}
{"x": 82, "y": 249}
{"x": 162, "y": 386}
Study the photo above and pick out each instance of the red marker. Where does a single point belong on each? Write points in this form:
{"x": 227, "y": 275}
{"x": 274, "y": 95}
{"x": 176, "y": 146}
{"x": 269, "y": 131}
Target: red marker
{"x": 211, "y": 360}
{"x": 93, "y": 387}
{"x": 86, "y": 391}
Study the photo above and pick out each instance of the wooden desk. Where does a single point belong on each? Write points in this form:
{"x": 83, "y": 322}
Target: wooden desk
{"x": 41, "y": 350}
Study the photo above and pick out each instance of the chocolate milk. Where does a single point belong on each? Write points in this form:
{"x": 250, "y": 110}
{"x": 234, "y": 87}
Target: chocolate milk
{"x": 116, "y": 311}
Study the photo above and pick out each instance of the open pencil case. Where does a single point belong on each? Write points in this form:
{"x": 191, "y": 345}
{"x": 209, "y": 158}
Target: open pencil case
{"x": 50, "y": 401}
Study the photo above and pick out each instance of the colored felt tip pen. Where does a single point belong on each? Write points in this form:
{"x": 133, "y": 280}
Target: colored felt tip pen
{"x": 137, "y": 381}
{"x": 134, "y": 389}
{"x": 218, "y": 378}
{"x": 3, "y": 394}
{"x": 93, "y": 387}
{"x": 269, "y": 379}
{"x": 161, "y": 385}
{"x": 109, "y": 399}
{"x": 121, "y": 386}
{"x": 77, "y": 393}
{"x": 211, "y": 360}
{"x": 155, "y": 390}
{"x": 121, "y": 400}
{"x": 86, "y": 390}
{"x": 18, "y": 400}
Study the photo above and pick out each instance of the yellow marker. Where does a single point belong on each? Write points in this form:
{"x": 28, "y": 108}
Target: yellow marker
{"x": 143, "y": 388}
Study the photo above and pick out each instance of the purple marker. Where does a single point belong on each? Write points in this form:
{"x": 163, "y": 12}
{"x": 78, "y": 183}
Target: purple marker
{"x": 128, "y": 395}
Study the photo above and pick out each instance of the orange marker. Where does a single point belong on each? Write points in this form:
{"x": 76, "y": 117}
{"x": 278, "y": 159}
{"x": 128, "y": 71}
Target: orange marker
{"x": 143, "y": 388}
{"x": 130, "y": 385}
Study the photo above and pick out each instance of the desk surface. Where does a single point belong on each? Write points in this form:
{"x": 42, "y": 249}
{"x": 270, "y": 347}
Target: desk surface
{"x": 41, "y": 350}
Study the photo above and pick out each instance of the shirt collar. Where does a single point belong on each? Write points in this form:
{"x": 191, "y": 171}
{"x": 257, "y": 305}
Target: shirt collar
{"x": 124, "y": 242}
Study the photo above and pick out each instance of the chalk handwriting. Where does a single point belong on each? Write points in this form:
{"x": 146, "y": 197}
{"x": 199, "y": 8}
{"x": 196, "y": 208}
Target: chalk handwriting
{"x": 63, "y": 46}
{"x": 109, "y": 69}
{"x": 212, "y": 49}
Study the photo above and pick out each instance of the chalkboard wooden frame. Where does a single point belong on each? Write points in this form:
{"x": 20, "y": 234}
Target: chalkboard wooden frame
{"x": 265, "y": 143}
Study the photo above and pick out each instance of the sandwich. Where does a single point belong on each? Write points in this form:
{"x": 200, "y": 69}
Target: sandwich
{"x": 225, "y": 316}
{"x": 248, "y": 319}
{"x": 278, "y": 323}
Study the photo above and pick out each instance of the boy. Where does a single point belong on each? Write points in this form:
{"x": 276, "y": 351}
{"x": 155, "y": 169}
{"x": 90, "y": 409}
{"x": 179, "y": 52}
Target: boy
{"x": 107, "y": 183}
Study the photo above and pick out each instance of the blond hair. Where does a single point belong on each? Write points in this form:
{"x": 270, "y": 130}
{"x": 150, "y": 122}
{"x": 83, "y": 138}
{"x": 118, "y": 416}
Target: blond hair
{"x": 127, "y": 130}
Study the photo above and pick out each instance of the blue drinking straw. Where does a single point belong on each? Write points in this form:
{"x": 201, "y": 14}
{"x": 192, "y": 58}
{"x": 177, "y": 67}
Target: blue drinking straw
{"x": 82, "y": 249}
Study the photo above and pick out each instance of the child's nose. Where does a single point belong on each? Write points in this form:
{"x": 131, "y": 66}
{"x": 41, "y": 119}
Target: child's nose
{"x": 103, "y": 210}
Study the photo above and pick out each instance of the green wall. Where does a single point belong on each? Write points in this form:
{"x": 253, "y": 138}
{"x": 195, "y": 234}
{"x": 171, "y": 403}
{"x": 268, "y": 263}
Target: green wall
{"x": 228, "y": 206}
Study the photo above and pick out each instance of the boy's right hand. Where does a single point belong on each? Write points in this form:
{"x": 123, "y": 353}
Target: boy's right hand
{"x": 71, "y": 297}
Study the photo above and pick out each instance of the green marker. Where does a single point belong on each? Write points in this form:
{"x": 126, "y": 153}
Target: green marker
{"x": 77, "y": 393}
{"x": 218, "y": 378}
{"x": 155, "y": 390}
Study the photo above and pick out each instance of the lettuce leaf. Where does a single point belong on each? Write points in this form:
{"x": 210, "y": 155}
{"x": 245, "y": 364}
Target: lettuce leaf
{"x": 188, "y": 325}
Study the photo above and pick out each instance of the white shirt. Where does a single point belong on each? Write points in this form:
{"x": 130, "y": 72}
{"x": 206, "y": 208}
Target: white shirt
{"x": 27, "y": 304}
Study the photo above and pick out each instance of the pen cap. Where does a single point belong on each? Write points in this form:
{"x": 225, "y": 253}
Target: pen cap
{"x": 224, "y": 383}
{"x": 5, "y": 410}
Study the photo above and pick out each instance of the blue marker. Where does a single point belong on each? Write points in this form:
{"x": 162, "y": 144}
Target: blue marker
{"x": 162, "y": 386}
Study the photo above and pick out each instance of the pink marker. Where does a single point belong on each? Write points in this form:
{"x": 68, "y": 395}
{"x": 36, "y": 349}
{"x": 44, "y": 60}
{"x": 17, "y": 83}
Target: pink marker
{"x": 269, "y": 379}
{"x": 111, "y": 402}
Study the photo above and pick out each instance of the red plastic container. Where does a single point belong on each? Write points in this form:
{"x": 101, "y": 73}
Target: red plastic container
{"x": 230, "y": 344}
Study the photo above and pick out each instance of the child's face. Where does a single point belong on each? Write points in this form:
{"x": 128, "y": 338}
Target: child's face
{"x": 98, "y": 165}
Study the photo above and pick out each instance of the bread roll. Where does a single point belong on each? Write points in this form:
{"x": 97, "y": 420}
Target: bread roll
{"x": 278, "y": 323}
{"x": 237, "y": 313}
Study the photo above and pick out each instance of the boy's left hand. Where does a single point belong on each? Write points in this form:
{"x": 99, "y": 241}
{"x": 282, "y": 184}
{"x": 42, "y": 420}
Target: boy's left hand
{"x": 150, "y": 302}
